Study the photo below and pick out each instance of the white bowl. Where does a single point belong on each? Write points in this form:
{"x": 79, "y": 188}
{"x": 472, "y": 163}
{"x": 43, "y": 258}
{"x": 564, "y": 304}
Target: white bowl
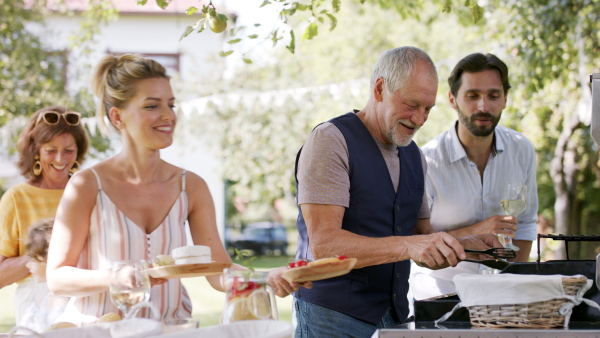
{"x": 246, "y": 328}
{"x": 130, "y": 328}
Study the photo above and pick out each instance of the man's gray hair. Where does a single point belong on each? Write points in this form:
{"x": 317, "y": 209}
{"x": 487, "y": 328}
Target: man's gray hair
{"x": 396, "y": 66}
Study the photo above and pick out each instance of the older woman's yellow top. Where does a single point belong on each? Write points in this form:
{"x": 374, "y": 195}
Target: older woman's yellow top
{"x": 20, "y": 207}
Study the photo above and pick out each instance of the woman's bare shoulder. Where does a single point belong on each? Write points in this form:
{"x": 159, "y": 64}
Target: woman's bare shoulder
{"x": 84, "y": 180}
{"x": 194, "y": 178}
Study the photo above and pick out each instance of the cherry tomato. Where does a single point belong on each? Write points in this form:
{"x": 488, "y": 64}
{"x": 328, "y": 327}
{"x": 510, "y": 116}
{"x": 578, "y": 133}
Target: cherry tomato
{"x": 301, "y": 263}
{"x": 297, "y": 264}
{"x": 342, "y": 257}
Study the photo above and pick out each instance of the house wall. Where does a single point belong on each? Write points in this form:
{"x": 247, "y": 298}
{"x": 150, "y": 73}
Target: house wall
{"x": 144, "y": 33}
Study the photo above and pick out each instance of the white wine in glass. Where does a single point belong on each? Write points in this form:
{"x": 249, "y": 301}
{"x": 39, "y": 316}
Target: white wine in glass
{"x": 513, "y": 202}
{"x": 129, "y": 284}
{"x": 513, "y": 207}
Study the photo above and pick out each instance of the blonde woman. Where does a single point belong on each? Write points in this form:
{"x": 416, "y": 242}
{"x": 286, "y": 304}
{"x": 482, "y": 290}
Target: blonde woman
{"x": 133, "y": 205}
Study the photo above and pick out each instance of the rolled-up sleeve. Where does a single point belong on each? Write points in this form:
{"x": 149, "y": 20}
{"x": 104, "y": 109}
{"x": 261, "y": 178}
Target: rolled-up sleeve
{"x": 528, "y": 219}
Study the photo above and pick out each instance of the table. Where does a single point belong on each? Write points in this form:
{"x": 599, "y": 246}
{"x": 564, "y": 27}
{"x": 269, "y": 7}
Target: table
{"x": 465, "y": 330}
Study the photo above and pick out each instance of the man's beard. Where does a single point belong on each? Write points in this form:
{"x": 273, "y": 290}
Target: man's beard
{"x": 481, "y": 131}
{"x": 401, "y": 140}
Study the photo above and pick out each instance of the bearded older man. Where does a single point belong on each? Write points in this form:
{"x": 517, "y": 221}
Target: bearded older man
{"x": 360, "y": 180}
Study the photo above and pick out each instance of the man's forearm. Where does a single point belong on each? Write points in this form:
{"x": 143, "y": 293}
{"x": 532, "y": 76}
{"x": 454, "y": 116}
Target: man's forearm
{"x": 368, "y": 250}
{"x": 523, "y": 253}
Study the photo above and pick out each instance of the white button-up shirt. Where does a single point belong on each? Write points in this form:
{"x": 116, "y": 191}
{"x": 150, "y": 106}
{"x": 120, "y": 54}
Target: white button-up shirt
{"x": 458, "y": 197}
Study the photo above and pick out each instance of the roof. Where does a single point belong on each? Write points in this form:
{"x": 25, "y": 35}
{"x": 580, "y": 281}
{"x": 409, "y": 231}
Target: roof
{"x": 131, "y": 6}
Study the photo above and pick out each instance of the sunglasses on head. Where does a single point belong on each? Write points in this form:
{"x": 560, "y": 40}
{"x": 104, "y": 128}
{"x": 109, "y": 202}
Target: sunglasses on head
{"x": 52, "y": 118}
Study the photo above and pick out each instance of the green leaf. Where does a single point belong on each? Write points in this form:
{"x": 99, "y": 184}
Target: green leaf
{"x": 141, "y": 2}
{"x": 205, "y": 9}
{"x": 333, "y": 21}
{"x": 162, "y": 3}
{"x": 253, "y": 36}
{"x": 302, "y": 7}
{"x": 223, "y": 54}
{"x": 274, "y": 37}
{"x": 320, "y": 19}
{"x": 247, "y": 61}
{"x": 231, "y": 42}
{"x": 311, "y": 31}
{"x": 188, "y": 31}
{"x": 336, "y": 5}
{"x": 447, "y": 7}
{"x": 292, "y": 46}
{"x": 467, "y": 3}
{"x": 476, "y": 13}
{"x": 266, "y": 2}
{"x": 241, "y": 255}
{"x": 222, "y": 17}
{"x": 191, "y": 10}
{"x": 256, "y": 25}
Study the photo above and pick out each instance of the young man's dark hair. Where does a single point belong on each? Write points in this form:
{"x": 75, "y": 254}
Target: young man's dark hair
{"x": 475, "y": 63}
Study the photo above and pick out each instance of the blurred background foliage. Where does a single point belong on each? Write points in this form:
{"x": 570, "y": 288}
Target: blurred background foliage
{"x": 32, "y": 76}
{"x": 262, "y": 112}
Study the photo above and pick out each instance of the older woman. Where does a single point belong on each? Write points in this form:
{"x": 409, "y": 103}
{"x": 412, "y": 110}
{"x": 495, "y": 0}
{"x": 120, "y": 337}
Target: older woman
{"x": 51, "y": 147}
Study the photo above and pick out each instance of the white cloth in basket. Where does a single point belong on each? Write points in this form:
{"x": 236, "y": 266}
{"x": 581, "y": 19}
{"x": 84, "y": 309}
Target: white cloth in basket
{"x": 503, "y": 289}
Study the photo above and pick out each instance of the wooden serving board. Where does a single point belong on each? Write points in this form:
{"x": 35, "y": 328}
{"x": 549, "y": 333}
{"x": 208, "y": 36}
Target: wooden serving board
{"x": 188, "y": 270}
{"x": 319, "y": 271}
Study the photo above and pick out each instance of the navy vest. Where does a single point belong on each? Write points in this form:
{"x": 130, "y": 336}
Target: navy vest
{"x": 376, "y": 210}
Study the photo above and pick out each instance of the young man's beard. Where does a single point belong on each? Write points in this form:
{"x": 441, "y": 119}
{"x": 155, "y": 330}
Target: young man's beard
{"x": 478, "y": 131}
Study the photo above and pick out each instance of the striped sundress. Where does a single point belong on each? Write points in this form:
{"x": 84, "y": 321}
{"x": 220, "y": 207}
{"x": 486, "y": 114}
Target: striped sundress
{"x": 113, "y": 237}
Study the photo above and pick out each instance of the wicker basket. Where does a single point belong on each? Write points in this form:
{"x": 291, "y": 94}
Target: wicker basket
{"x": 538, "y": 315}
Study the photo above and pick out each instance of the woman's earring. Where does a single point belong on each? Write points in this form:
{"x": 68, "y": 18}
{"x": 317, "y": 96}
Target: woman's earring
{"x": 37, "y": 166}
{"x": 74, "y": 168}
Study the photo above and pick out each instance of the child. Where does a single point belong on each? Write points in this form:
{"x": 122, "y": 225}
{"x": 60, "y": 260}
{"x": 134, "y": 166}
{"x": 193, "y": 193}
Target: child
{"x": 44, "y": 307}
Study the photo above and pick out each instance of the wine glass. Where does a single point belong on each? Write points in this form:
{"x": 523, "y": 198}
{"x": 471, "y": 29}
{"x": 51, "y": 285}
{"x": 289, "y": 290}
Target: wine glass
{"x": 513, "y": 202}
{"x": 129, "y": 284}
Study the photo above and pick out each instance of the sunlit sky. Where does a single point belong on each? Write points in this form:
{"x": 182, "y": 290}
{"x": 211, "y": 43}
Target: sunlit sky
{"x": 250, "y": 12}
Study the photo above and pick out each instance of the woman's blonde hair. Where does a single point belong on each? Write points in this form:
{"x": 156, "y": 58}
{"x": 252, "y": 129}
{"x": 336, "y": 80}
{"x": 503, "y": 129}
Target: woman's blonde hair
{"x": 115, "y": 80}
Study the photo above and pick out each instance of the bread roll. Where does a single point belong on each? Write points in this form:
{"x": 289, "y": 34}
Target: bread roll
{"x": 61, "y": 325}
{"x": 324, "y": 260}
{"x": 109, "y": 317}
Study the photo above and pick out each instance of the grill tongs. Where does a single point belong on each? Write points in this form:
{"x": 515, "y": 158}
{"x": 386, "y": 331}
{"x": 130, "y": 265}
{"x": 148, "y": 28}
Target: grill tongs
{"x": 500, "y": 264}
{"x": 503, "y": 253}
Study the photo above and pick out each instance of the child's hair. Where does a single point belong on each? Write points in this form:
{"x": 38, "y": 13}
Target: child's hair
{"x": 38, "y": 239}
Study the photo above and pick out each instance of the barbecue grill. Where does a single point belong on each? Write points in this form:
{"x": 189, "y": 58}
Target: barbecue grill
{"x": 585, "y": 320}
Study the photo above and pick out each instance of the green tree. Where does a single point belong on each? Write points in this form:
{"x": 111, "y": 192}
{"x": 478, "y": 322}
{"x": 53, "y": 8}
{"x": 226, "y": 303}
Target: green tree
{"x": 28, "y": 78}
{"x": 306, "y": 18}
{"x": 32, "y": 75}
{"x": 261, "y": 117}
{"x": 551, "y": 49}
{"x": 554, "y": 47}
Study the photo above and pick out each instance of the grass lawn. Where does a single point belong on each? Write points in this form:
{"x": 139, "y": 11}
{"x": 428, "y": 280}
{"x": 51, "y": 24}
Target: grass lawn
{"x": 207, "y": 303}
{"x": 7, "y": 310}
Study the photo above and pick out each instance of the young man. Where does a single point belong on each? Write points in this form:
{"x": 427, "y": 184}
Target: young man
{"x": 470, "y": 164}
